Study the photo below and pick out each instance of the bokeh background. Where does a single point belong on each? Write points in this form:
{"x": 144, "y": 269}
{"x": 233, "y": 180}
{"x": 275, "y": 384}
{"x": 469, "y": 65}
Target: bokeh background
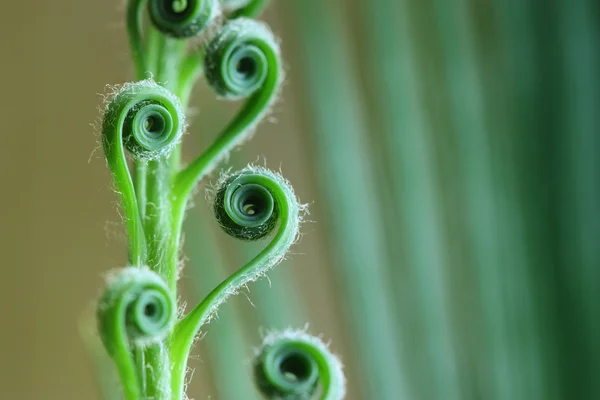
{"x": 449, "y": 153}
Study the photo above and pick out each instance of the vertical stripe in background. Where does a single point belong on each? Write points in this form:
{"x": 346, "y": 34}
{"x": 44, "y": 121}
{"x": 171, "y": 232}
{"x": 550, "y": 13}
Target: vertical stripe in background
{"x": 456, "y": 146}
{"x": 580, "y": 198}
{"x": 342, "y": 164}
{"x": 485, "y": 119}
{"x": 413, "y": 225}
{"x": 485, "y": 182}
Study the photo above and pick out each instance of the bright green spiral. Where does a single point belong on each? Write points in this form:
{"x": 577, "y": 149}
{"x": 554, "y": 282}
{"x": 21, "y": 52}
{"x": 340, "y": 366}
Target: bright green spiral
{"x": 244, "y": 209}
{"x": 147, "y": 118}
{"x": 291, "y": 364}
{"x": 243, "y": 58}
{"x": 136, "y": 310}
{"x": 182, "y": 18}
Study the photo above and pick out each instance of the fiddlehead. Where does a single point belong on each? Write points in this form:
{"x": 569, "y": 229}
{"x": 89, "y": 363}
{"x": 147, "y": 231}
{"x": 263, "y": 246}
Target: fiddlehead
{"x": 136, "y": 310}
{"x": 146, "y": 117}
{"x": 175, "y": 18}
{"x": 236, "y": 63}
{"x": 242, "y": 61}
{"x": 291, "y": 364}
{"x": 147, "y": 120}
{"x": 253, "y": 201}
{"x": 245, "y": 210}
{"x": 182, "y": 18}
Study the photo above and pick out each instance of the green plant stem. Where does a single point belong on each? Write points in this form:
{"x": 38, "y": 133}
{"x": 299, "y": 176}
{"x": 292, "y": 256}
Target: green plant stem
{"x": 154, "y": 39}
{"x": 191, "y": 70}
{"x": 135, "y": 16}
{"x": 145, "y": 61}
{"x": 139, "y": 182}
{"x": 153, "y": 183}
{"x": 187, "y": 328}
{"x": 129, "y": 375}
{"x": 157, "y": 216}
{"x": 115, "y": 156}
{"x": 226, "y": 342}
{"x": 166, "y": 238}
{"x": 159, "y": 174}
{"x": 185, "y": 181}
{"x": 251, "y": 113}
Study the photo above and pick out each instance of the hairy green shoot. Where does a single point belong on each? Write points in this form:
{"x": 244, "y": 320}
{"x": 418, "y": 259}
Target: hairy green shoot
{"x": 142, "y": 128}
{"x": 291, "y": 364}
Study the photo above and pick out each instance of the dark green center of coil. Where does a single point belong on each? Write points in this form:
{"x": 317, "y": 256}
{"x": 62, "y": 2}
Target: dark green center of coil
{"x": 287, "y": 369}
{"x": 245, "y": 70}
{"x": 181, "y": 18}
{"x": 148, "y": 315}
{"x": 154, "y": 126}
{"x": 246, "y": 210}
{"x": 151, "y": 127}
{"x": 242, "y": 59}
{"x": 174, "y": 11}
{"x": 295, "y": 367}
{"x": 252, "y": 205}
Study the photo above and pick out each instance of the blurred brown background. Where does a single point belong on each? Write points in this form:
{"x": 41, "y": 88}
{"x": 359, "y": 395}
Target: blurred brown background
{"x": 60, "y": 228}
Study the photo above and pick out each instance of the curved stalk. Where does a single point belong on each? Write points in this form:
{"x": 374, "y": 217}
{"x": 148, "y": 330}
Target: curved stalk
{"x": 287, "y": 211}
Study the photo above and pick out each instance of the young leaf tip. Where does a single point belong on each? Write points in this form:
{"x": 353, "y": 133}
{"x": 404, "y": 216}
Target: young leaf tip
{"x": 292, "y": 364}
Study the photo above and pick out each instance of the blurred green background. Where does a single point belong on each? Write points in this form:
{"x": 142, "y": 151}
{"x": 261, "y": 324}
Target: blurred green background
{"x": 449, "y": 153}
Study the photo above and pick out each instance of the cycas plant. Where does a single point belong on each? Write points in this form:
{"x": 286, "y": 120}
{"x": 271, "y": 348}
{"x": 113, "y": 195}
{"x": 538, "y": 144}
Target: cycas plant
{"x": 142, "y": 127}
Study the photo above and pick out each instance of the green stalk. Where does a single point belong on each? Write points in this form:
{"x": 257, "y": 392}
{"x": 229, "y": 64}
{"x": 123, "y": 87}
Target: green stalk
{"x": 277, "y": 297}
{"x": 137, "y": 311}
{"x": 234, "y": 36}
{"x": 156, "y": 176}
{"x": 227, "y": 209}
{"x": 338, "y": 128}
{"x": 252, "y": 9}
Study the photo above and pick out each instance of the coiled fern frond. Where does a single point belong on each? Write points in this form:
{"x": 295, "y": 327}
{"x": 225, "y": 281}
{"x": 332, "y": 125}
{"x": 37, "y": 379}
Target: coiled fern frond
{"x": 142, "y": 129}
{"x": 295, "y": 365}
